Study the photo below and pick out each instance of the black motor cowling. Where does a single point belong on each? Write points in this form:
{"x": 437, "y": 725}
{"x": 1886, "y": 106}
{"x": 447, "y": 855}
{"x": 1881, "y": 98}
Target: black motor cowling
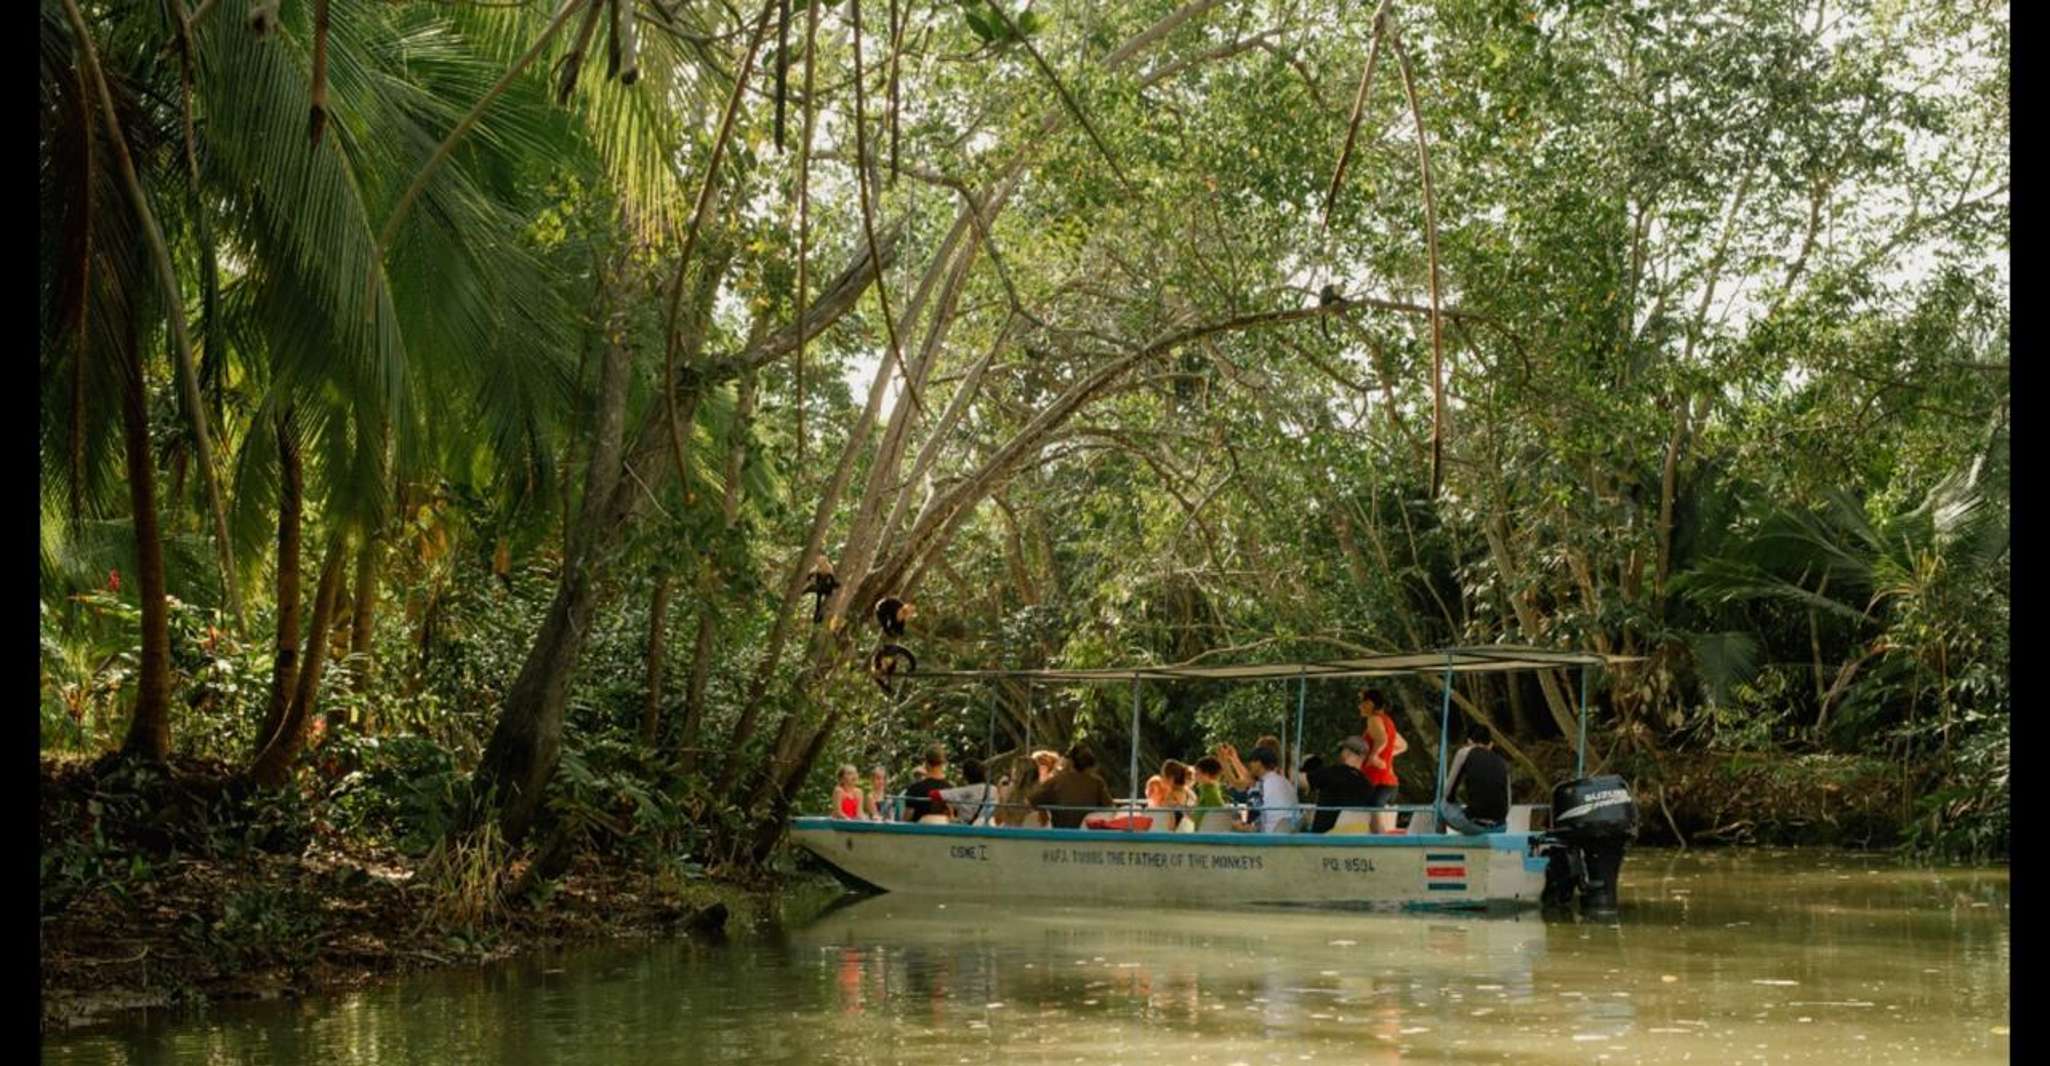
{"x": 1593, "y": 821}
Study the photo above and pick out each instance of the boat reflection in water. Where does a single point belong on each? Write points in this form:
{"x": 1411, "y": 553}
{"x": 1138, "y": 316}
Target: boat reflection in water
{"x": 1374, "y": 975}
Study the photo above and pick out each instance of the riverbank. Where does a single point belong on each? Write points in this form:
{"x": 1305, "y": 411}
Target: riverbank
{"x": 160, "y": 897}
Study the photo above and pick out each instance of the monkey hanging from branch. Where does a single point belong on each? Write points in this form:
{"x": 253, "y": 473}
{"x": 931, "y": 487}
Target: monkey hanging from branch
{"x": 1327, "y": 297}
{"x": 882, "y": 666}
{"x": 821, "y": 584}
{"x": 891, "y": 614}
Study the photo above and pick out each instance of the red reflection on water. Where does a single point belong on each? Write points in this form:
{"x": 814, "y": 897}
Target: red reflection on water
{"x": 849, "y": 980}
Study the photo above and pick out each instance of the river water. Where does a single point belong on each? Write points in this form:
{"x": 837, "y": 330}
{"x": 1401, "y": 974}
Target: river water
{"x": 1722, "y": 957}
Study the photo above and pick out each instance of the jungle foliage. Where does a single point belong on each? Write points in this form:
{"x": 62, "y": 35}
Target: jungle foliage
{"x": 442, "y": 404}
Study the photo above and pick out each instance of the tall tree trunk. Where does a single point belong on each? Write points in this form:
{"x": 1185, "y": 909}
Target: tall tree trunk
{"x": 863, "y": 540}
{"x": 285, "y": 658}
{"x": 363, "y": 621}
{"x": 149, "y": 729}
{"x": 1669, "y": 477}
{"x": 829, "y": 499}
{"x": 945, "y": 519}
{"x": 273, "y": 765}
{"x": 658, "y": 642}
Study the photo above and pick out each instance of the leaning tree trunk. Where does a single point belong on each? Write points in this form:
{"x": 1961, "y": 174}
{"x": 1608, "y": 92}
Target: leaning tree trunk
{"x": 285, "y": 658}
{"x": 149, "y": 730}
{"x": 856, "y": 559}
{"x": 855, "y": 589}
{"x": 273, "y": 765}
{"x": 770, "y": 831}
{"x": 521, "y": 755}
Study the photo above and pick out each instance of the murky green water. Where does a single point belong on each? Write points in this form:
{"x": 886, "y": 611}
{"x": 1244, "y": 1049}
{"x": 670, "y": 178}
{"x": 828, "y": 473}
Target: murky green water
{"x": 1731, "y": 957}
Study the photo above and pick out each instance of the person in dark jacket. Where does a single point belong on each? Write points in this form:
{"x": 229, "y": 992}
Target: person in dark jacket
{"x": 1485, "y": 774}
{"x": 1076, "y": 786}
{"x": 1340, "y": 785}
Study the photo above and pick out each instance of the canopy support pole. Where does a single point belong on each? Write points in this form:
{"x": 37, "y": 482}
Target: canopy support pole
{"x": 989, "y": 744}
{"x": 1302, "y": 696}
{"x": 1135, "y": 735}
{"x": 1444, "y": 741}
{"x": 1580, "y": 750}
{"x": 1283, "y": 753}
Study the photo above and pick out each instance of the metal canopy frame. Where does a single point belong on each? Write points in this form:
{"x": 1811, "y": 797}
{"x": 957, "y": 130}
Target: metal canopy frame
{"x": 1483, "y": 660}
{"x": 1449, "y": 662}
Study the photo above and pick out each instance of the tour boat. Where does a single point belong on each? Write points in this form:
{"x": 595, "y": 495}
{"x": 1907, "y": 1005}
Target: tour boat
{"x": 1145, "y": 860}
{"x": 1414, "y": 870}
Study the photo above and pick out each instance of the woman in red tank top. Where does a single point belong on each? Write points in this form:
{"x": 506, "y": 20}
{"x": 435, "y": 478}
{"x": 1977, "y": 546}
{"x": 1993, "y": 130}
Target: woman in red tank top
{"x": 1381, "y": 752}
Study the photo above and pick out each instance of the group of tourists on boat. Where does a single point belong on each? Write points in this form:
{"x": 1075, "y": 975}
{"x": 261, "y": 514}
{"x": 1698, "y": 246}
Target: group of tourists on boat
{"x": 1220, "y": 792}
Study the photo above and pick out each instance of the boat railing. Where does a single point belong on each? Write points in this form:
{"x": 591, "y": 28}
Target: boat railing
{"x": 1126, "y": 813}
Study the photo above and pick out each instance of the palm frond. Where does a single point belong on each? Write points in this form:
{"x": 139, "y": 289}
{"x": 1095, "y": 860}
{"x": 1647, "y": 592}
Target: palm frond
{"x": 1721, "y": 581}
{"x": 641, "y": 131}
{"x": 1724, "y": 660}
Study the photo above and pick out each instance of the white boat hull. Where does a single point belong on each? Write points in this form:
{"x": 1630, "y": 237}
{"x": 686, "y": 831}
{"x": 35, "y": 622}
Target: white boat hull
{"x": 1434, "y": 871}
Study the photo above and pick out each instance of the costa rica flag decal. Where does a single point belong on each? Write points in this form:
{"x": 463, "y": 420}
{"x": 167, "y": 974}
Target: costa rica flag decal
{"x": 1445, "y": 872}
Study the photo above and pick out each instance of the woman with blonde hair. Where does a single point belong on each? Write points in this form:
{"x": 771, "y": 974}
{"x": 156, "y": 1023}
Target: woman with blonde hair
{"x": 848, "y": 802}
{"x": 877, "y": 805}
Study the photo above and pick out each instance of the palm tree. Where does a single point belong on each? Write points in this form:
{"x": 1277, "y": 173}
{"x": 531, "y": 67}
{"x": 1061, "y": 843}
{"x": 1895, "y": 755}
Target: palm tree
{"x": 97, "y": 310}
{"x": 449, "y": 347}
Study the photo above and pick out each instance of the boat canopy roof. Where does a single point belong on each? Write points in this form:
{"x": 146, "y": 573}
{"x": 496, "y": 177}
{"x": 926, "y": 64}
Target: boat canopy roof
{"x": 1491, "y": 659}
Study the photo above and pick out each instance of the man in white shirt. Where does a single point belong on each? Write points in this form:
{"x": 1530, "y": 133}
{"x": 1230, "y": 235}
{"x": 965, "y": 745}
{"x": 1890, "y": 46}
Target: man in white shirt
{"x": 974, "y": 803}
{"x": 1274, "y": 798}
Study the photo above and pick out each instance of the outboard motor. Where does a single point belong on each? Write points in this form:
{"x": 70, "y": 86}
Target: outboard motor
{"x": 1593, "y": 821}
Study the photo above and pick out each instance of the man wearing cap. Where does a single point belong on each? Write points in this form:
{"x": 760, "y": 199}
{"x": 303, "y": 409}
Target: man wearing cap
{"x": 1340, "y": 785}
{"x": 1274, "y": 799}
